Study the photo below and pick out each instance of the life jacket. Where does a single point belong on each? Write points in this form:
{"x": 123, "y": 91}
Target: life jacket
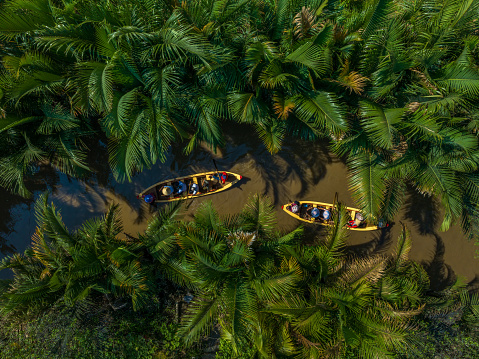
{"x": 223, "y": 177}
{"x": 352, "y": 224}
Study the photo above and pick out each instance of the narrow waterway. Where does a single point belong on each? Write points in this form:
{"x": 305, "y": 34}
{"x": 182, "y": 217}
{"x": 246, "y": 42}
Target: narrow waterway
{"x": 300, "y": 171}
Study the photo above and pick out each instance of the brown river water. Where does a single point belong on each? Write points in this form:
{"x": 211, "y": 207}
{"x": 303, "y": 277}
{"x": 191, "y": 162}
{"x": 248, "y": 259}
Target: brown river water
{"x": 302, "y": 170}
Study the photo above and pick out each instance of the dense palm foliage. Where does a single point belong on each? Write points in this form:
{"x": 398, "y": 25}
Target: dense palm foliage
{"x": 393, "y": 84}
{"x": 238, "y": 267}
{"x": 271, "y": 294}
{"x": 360, "y": 306}
{"x": 92, "y": 263}
{"x": 268, "y": 294}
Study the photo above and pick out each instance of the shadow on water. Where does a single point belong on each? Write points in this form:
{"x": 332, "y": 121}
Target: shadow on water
{"x": 473, "y": 285}
{"x": 441, "y": 275}
{"x": 380, "y": 244}
{"x": 301, "y": 169}
{"x": 299, "y": 162}
{"x": 243, "y": 181}
{"x": 306, "y": 163}
{"x": 422, "y": 211}
{"x": 13, "y": 207}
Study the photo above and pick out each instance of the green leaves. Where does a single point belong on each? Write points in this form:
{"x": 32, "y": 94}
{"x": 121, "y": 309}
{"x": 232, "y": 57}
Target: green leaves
{"x": 128, "y": 154}
{"x": 367, "y": 182}
{"x": 258, "y": 215}
{"x": 379, "y": 123}
{"x": 259, "y": 289}
{"x": 199, "y": 319}
{"x": 246, "y": 107}
{"x": 377, "y": 13}
{"x": 311, "y": 54}
{"x": 78, "y": 266}
{"x": 323, "y": 109}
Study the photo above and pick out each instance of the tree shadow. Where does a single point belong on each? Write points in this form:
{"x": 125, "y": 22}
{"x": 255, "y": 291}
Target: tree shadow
{"x": 380, "y": 244}
{"x": 441, "y": 275}
{"x": 422, "y": 211}
{"x": 473, "y": 285}
{"x": 5, "y": 247}
{"x": 97, "y": 161}
{"x": 305, "y": 160}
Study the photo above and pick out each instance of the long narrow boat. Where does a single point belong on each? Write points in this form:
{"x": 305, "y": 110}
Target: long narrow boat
{"x": 197, "y": 185}
{"x": 304, "y": 210}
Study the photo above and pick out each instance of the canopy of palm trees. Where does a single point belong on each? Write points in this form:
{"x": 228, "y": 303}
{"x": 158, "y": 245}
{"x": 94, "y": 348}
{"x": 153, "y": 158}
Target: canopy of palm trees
{"x": 268, "y": 294}
{"x": 91, "y": 263}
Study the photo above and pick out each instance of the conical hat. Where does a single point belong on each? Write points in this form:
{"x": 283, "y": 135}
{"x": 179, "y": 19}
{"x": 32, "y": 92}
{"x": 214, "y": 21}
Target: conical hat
{"x": 166, "y": 191}
{"x": 315, "y": 212}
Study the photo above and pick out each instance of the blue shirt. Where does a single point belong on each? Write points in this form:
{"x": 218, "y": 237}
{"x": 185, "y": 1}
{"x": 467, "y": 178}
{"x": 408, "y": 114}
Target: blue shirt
{"x": 181, "y": 187}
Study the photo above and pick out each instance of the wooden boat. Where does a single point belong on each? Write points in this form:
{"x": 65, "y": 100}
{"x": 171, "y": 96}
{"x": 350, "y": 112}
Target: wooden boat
{"x": 304, "y": 214}
{"x": 204, "y": 188}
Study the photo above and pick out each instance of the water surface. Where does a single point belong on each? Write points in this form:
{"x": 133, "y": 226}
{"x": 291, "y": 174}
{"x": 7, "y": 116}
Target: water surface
{"x": 300, "y": 171}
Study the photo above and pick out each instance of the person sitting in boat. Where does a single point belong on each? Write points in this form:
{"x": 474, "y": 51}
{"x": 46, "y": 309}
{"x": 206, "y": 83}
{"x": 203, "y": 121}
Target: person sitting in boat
{"x": 181, "y": 187}
{"x": 295, "y": 207}
{"x": 314, "y": 212}
{"x": 220, "y": 177}
{"x": 194, "y": 189}
{"x": 382, "y": 223}
{"x": 167, "y": 190}
{"x": 149, "y": 198}
{"x": 206, "y": 185}
{"x": 326, "y": 214}
{"x": 358, "y": 219}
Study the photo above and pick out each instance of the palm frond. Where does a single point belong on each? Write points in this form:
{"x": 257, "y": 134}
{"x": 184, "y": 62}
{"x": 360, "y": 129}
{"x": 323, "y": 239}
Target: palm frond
{"x": 323, "y": 109}
{"x": 379, "y": 123}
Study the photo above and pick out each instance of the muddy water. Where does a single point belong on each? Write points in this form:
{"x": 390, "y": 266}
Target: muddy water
{"x": 300, "y": 171}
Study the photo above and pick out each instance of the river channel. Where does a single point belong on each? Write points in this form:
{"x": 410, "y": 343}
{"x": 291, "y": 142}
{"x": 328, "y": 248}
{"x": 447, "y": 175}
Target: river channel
{"x": 302, "y": 170}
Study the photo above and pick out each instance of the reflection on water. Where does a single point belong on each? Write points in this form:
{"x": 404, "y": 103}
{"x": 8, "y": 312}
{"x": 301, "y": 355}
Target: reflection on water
{"x": 300, "y": 171}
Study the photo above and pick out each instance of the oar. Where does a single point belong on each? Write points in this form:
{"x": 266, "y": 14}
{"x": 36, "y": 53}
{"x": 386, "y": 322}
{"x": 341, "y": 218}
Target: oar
{"x": 216, "y": 168}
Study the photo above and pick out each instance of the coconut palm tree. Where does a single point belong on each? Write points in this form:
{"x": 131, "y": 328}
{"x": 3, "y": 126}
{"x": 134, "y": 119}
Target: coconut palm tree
{"x": 38, "y": 124}
{"x": 360, "y": 306}
{"x": 279, "y": 298}
{"x": 237, "y": 267}
{"x": 57, "y": 140}
{"x": 284, "y": 63}
{"x": 90, "y": 264}
{"x": 415, "y": 121}
{"x": 136, "y": 76}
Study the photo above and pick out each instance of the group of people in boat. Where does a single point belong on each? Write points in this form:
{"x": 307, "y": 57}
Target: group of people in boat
{"x": 180, "y": 188}
{"x": 322, "y": 214}
{"x": 308, "y": 211}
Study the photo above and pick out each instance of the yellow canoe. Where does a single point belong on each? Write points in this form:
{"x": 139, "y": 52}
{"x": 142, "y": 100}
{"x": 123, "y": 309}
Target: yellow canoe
{"x": 211, "y": 186}
{"x": 306, "y": 206}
